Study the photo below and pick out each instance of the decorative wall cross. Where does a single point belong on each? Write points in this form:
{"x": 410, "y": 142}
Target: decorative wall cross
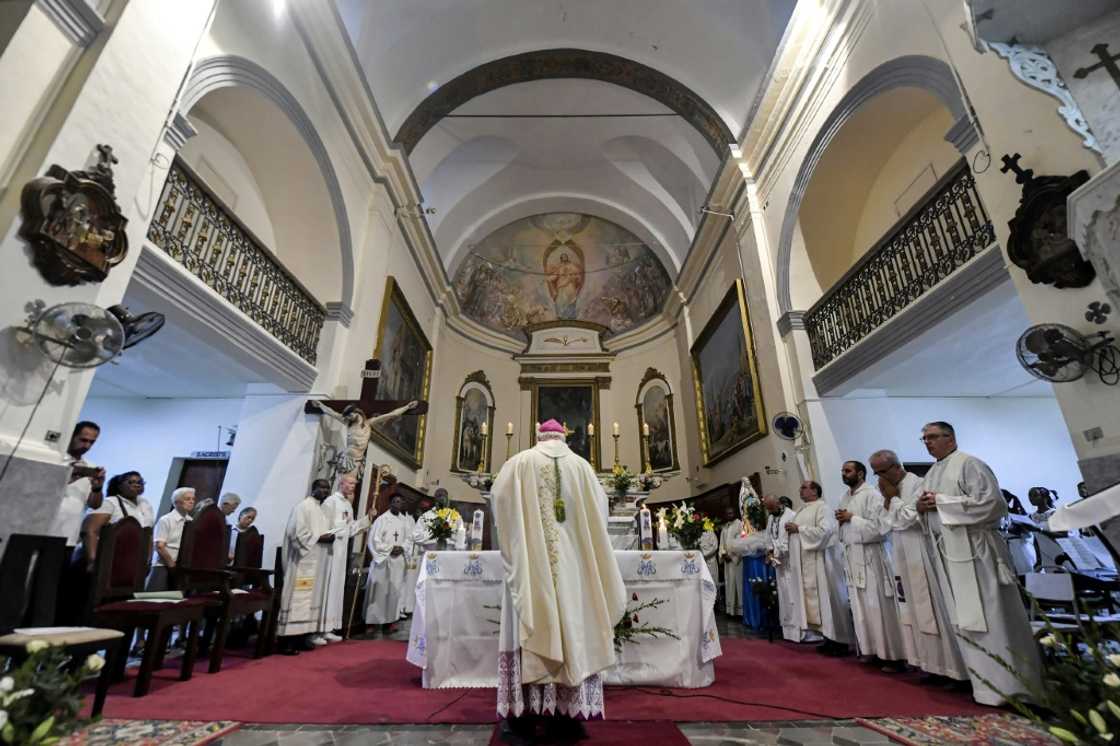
{"x": 1107, "y": 63}
{"x": 367, "y": 400}
{"x": 1011, "y": 163}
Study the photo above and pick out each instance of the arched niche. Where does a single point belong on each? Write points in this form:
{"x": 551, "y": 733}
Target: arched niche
{"x": 654, "y": 406}
{"x": 241, "y": 100}
{"x": 474, "y": 405}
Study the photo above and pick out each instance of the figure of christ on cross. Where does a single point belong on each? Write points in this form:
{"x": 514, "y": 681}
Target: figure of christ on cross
{"x": 360, "y": 416}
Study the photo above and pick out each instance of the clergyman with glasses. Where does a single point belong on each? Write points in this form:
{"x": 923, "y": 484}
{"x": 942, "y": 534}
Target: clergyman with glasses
{"x": 963, "y": 505}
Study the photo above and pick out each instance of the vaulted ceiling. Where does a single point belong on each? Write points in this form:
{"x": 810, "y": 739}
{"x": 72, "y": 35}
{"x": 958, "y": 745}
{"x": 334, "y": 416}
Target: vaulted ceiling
{"x": 621, "y": 109}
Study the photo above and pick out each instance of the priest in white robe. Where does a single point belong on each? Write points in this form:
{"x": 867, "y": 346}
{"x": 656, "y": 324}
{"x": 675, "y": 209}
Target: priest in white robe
{"x": 390, "y": 543}
{"x": 777, "y": 556}
{"x": 339, "y": 513}
{"x": 563, "y": 581}
{"x": 927, "y": 632}
{"x": 731, "y": 557}
{"x": 871, "y": 586}
{"x": 306, "y": 538}
{"x": 815, "y": 552}
{"x": 963, "y": 505}
{"x": 411, "y": 569}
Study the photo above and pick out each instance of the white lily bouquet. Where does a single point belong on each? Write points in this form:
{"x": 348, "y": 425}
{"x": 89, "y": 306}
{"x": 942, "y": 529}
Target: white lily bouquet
{"x": 40, "y": 699}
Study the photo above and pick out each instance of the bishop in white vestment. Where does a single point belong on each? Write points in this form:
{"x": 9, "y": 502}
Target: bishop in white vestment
{"x": 871, "y": 586}
{"x": 777, "y": 556}
{"x": 927, "y": 631}
{"x": 305, "y": 540}
{"x": 339, "y": 513}
{"x": 814, "y": 549}
{"x": 390, "y": 543}
{"x": 562, "y": 578}
{"x": 964, "y": 506}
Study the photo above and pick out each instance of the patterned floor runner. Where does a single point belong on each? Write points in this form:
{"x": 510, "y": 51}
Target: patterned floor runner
{"x": 975, "y": 730}
{"x": 150, "y": 732}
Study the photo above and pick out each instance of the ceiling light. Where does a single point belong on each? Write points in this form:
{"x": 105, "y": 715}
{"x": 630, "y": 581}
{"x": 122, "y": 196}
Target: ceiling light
{"x": 432, "y": 86}
{"x": 278, "y": 7}
{"x": 736, "y": 151}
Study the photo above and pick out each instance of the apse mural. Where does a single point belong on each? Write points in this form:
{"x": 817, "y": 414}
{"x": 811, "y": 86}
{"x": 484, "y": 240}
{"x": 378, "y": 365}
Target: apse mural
{"x": 561, "y": 266}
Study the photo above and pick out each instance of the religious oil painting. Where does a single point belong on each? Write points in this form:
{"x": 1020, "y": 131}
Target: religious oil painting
{"x": 725, "y": 374}
{"x": 406, "y": 370}
{"x": 474, "y": 407}
{"x": 575, "y": 404}
{"x": 655, "y": 410}
{"x": 561, "y": 266}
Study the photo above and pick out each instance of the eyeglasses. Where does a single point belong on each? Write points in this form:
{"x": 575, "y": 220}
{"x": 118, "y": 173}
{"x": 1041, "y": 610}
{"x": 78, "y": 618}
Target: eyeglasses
{"x": 932, "y": 436}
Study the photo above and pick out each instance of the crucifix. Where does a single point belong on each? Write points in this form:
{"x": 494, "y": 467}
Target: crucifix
{"x": 361, "y": 415}
{"x": 1107, "y": 63}
{"x": 1011, "y": 163}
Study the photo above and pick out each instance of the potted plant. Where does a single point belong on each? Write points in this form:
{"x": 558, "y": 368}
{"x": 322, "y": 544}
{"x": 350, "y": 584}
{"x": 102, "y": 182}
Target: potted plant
{"x": 40, "y": 698}
{"x": 443, "y": 525}
{"x": 687, "y": 525}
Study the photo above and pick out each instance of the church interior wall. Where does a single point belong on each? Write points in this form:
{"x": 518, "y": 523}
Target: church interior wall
{"x": 145, "y": 435}
{"x": 1024, "y": 440}
{"x": 227, "y": 173}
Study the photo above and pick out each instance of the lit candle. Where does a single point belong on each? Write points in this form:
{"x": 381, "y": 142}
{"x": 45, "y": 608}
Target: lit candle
{"x": 591, "y": 430}
{"x": 509, "y": 428}
{"x": 645, "y": 429}
{"x": 662, "y": 536}
{"x": 484, "y": 429}
{"x": 614, "y": 428}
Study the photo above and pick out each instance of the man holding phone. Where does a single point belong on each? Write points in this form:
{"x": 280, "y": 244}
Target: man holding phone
{"x": 84, "y": 488}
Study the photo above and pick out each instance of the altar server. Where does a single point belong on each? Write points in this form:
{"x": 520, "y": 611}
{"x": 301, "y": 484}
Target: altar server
{"x": 305, "y": 540}
{"x": 871, "y": 587}
{"x": 563, "y": 581}
{"x": 777, "y": 556}
{"x": 824, "y": 596}
{"x": 926, "y": 628}
{"x": 964, "y": 506}
{"x": 339, "y": 513}
{"x": 390, "y": 542}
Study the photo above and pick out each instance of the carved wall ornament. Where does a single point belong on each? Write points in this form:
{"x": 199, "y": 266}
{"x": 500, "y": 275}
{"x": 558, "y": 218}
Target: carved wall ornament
{"x": 73, "y": 222}
{"x": 1039, "y": 243}
{"x": 1033, "y": 66}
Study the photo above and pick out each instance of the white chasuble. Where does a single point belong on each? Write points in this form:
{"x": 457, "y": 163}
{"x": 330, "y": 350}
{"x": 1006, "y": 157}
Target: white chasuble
{"x": 824, "y": 592}
{"x": 931, "y": 644}
{"x": 386, "y": 580}
{"x": 976, "y": 576}
{"x": 340, "y": 521}
{"x": 791, "y": 605}
{"x": 871, "y": 584}
{"x": 304, "y": 569}
{"x": 563, "y": 578}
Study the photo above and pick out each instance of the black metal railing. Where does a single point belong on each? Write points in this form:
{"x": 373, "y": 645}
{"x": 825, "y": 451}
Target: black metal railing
{"x": 195, "y": 228}
{"x": 938, "y": 236}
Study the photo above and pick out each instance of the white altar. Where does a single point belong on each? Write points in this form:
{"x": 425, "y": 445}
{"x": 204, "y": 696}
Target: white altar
{"x": 459, "y": 616}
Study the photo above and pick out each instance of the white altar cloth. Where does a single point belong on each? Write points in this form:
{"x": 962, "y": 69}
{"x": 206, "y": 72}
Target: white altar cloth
{"x": 458, "y": 619}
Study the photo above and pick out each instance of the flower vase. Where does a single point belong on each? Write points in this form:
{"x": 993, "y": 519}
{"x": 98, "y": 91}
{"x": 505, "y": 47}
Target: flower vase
{"x": 441, "y": 545}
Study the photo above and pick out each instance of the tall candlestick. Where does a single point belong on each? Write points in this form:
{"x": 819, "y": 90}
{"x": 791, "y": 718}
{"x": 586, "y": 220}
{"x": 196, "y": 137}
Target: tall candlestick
{"x": 509, "y": 428}
{"x": 509, "y": 440}
{"x": 591, "y": 430}
{"x": 645, "y": 429}
{"x": 614, "y": 429}
{"x": 615, "y": 436}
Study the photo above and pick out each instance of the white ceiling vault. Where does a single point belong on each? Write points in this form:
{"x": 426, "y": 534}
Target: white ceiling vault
{"x": 566, "y": 144}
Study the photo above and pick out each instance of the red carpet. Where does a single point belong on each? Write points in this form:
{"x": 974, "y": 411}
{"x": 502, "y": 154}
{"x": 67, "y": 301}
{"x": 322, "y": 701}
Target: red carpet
{"x": 368, "y": 682}
{"x": 623, "y": 733}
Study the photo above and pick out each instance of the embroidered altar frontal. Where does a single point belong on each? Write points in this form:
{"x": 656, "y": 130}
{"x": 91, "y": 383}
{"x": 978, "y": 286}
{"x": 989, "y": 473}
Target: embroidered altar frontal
{"x": 460, "y": 615}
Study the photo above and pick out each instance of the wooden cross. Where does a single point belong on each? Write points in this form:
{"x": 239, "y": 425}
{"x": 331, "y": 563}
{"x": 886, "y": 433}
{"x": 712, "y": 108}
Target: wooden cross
{"x": 1107, "y": 63}
{"x": 367, "y": 400}
{"x": 1011, "y": 163}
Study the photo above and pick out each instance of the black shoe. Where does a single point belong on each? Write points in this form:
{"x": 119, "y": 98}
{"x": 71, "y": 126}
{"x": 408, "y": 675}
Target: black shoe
{"x": 287, "y": 651}
{"x": 893, "y": 667}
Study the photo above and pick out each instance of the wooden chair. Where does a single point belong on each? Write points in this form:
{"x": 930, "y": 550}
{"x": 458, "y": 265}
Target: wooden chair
{"x": 119, "y": 572}
{"x": 252, "y": 591}
{"x": 201, "y": 574}
{"x": 29, "y": 579}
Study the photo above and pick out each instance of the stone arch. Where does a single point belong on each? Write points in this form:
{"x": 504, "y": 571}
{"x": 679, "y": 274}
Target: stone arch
{"x": 214, "y": 73}
{"x": 545, "y": 64}
{"x": 911, "y": 71}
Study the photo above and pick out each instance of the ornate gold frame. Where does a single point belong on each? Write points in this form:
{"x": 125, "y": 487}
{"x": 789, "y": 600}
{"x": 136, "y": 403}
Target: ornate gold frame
{"x": 536, "y": 384}
{"x": 652, "y": 374}
{"x": 476, "y": 379}
{"x": 736, "y": 295}
{"x": 395, "y": 296}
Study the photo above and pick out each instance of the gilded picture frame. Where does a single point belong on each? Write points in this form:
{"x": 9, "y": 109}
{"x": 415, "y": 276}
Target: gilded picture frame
{"x": 575, "y": 403}
{"x": 406, "y": 375}
{"x": 470, "y": 452}
{"x": 729, "y": 406}
{"x": 654, "y": 405}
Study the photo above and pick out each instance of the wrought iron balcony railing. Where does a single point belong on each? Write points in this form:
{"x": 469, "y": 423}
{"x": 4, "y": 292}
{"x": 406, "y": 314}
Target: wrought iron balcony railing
{"x": 197, "y": 230}
{"x": 938, "y": 236}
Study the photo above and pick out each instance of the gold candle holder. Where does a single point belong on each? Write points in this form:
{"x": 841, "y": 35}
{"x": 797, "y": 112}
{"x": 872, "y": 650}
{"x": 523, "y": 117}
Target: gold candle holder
{"x": 616, "y": 437}
{"x": 509, "y": 441}
{"x": 645, "y": 453}
{"x": 484, "y": 462}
